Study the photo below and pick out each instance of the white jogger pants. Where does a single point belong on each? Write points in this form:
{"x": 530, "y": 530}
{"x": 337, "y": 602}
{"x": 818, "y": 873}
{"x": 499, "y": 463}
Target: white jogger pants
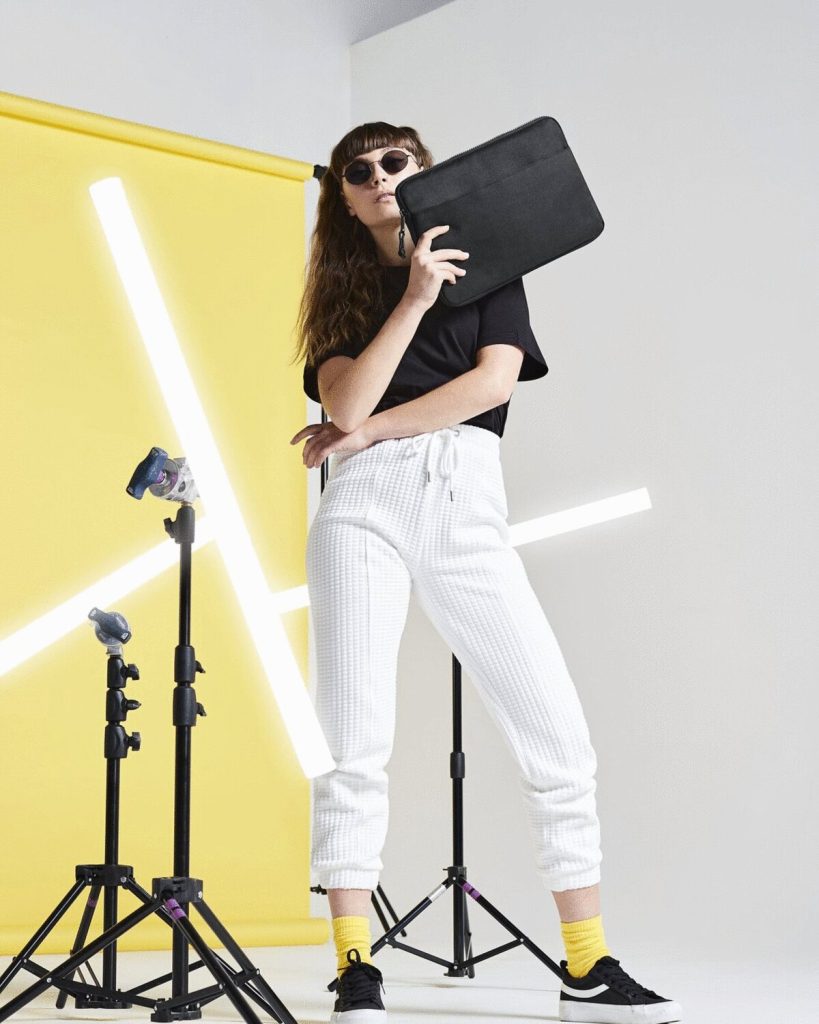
{"x": 428, "y": 513}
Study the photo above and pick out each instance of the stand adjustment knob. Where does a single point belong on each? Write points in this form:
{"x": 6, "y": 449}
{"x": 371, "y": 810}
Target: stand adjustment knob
{"x": 200, "y": 710}
{"x": 134, "y": 741}
{"x": 199, "y": 666}
{"x": 132, "y": 705}
{"x": 130, "y": 671}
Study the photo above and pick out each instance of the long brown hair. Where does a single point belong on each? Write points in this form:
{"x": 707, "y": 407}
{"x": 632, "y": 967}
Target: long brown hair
{"x": 342, "y": 277}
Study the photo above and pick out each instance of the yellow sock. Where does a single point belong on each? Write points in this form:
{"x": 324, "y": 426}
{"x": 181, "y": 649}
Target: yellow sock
{"x": 351, "y": 933}
{"x": 585, "y": 944}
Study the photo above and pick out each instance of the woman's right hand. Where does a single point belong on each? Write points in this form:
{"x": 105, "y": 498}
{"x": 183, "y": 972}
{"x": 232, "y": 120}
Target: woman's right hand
{"x": 430, "y": 268}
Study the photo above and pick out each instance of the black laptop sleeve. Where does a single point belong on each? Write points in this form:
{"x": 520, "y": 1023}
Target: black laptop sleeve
{"x": 513, "y": 203}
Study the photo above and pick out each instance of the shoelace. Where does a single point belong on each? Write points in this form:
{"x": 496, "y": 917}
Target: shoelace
{"x": 610, "y": 971}
{"x": 358, "y": 979}
{"x": 448, "y": 457}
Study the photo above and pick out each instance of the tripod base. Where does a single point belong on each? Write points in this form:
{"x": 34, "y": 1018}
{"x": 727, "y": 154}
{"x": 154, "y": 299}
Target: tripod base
{"x": 170, "y": 900}
{"x": 463, "y": 963}
{"x": 89, "y": 1003}
{"x": 169, "y": 1015}
{"x": 96, "y": 877}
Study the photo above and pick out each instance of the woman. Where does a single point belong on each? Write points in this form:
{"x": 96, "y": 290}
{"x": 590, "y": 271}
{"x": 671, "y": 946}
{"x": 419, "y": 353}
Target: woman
{"x": 418, "y": 392}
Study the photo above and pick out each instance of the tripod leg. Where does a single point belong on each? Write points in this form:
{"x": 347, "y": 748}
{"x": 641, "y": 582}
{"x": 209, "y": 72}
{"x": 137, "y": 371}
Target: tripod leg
{"x": 470, "y": 971}
{"x": 82, "y": 935}
{"x": 388, "y": 905}
{"x": 389, "y": 936}
{"x": 41, "y": 933}
{"x": 73, "y": 962}
{"x": 458, "y": 916}
{"x": 524, "y": 940}
{"x": 222, "y": 976}
{"x": 382, "y": 917}
{"x": 244, "y": 962}
{"x": 133, "y": 886}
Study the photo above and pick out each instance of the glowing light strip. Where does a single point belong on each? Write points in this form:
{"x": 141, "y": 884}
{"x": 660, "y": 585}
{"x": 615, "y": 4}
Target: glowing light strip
{"x": 291, "y": 599}
{"x": 580, "y": 516}
{"x": 57, "y": 623}
{"x": 48, "y": 628}
{"x": 199, "y": 446}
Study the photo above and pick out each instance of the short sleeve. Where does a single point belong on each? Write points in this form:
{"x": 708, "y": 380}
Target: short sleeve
{"x": 504, "y": 319}
{"x": 311, "y": 372}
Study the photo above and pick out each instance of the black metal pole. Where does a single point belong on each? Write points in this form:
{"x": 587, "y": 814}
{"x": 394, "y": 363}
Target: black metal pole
{"x": 110, "y": 877}
{"x": 182, "y": 702}
{"x": 109, "y": 915}
{"x": 457, "y": 771}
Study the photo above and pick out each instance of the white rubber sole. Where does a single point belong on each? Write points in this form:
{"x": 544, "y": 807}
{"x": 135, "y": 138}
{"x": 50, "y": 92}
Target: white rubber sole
{"x": 359, "y": 1017}
{"x": 649, "y": 1013}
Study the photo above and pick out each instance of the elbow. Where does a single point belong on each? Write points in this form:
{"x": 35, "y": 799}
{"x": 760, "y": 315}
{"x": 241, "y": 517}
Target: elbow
{"x": 345, "y": 419}
{"x": 344, "y": 425}
{"x": 503, "y": 393}
{"x": 497, "y": 388}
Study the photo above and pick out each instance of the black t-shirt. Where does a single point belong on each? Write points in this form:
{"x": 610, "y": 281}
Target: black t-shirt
{"x": 446, "y": 342}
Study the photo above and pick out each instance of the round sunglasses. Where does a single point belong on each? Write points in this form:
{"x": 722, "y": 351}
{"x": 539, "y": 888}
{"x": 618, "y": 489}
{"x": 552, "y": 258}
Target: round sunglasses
{"x": 359, "y": 170}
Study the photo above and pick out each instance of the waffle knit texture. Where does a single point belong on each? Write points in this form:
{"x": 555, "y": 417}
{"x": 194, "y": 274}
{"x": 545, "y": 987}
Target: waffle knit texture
{"x": 428, "y": 513}
{"x": 351, "y": 933}
{"x": 585, "y": 944}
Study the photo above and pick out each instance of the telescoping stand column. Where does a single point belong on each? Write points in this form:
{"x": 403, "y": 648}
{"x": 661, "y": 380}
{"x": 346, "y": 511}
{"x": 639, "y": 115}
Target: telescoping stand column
{"x": 112, "y": 630}
{"x": 171, "y": 898}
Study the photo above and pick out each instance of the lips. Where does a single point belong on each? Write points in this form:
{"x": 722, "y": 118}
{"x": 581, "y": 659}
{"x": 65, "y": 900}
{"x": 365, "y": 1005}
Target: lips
{"x": 384, "y": 196}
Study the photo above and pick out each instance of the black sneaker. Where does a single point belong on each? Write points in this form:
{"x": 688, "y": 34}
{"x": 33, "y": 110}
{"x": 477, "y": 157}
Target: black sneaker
{"x": 358, "y": 1000}
{"x": 607, "y": 995}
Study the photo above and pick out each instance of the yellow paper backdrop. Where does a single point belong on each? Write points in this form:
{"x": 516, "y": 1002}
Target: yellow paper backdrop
{"x": 224, "y": 230}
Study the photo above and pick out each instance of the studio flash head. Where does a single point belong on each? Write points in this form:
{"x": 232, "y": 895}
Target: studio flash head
{"x": 111, "y": 629}
{"x": 166, "y": 478}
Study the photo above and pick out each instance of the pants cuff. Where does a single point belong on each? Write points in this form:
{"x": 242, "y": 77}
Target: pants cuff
{"x": 578, "y": 880}
{"x": 348, "y": 878}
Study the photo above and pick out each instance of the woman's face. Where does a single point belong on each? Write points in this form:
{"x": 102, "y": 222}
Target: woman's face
{"x": 381, "y": 216}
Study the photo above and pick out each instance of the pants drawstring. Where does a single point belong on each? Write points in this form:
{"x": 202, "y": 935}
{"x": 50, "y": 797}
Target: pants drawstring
{"x": 448, "y": 459}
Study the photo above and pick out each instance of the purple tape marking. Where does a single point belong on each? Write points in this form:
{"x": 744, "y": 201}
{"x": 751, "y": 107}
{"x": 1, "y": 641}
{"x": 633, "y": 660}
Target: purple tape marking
{"x": 470, "y": 890}
{"x": 173, "y": 908}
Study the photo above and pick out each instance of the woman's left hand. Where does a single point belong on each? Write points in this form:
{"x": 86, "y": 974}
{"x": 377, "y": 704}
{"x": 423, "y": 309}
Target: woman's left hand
{"x": 326, "y": 438}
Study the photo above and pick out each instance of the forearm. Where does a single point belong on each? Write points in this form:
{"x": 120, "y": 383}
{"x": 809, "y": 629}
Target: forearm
{"x": 359, "y": 388}
{"x": 460, "y": 399}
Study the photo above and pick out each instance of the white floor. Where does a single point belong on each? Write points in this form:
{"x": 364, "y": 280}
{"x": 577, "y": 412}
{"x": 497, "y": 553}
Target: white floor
{"x": 511, "y": 987}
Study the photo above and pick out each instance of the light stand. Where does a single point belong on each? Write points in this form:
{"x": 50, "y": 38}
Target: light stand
{"x": 171, "y": 898}
{"x": 112, "y": 630}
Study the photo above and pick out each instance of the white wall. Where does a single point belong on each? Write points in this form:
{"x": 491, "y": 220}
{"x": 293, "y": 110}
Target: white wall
{"x": 216, "y": 69}
{"x": 683, "y": 358}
